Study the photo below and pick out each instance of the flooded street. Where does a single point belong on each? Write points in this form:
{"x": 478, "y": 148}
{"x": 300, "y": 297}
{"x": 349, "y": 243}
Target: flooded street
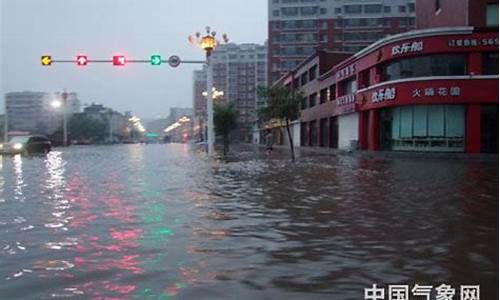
{"x": 163, "y": 222}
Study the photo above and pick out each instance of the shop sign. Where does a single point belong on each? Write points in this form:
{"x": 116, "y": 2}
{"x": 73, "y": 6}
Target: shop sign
{"x": 384, "y": 95}
{"x": 344, "y": 100}
{"x": 408, "y": 48}
{"x": 440, "y": 92}
{"x": 472, "y": 42}
{"x": 346, "y": 72}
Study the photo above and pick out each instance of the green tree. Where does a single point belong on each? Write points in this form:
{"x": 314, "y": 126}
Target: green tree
{"x": 82, "y": 127}
{"x": 283, "y": 104}
{"x": 225, "y": 121}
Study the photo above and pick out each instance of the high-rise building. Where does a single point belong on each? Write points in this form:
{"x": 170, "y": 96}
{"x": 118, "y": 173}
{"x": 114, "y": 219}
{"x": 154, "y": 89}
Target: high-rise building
{"x": 238, "y": 71}
{"x": 199, "y": 104}
{"x": 297, "y": 27}
{"x": 33, "y": 112}
{"x": 449, "y": 13}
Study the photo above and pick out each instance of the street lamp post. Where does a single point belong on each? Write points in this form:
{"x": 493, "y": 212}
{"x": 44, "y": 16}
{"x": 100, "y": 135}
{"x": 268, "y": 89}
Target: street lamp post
{"x": 209, "y": 43}
{"x": 63, "y": 105}
{"x": 6, "y": 124}
{"x": 65, "y": 119}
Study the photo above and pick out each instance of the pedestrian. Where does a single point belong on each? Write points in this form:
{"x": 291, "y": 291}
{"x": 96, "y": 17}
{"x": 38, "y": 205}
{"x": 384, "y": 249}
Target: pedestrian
{"x": 269, "y": 141}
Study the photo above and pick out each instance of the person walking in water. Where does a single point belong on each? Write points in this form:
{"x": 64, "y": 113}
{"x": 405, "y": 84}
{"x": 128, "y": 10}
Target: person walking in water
{"x": 269, "y": 141}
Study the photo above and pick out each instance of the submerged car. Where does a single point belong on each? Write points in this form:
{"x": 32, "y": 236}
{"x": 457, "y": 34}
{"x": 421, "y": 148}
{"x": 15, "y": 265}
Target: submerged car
{"x": 30, "y": 144}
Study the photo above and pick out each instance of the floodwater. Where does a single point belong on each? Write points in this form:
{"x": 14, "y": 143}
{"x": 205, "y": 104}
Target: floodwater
{"x": 163, "y": 222}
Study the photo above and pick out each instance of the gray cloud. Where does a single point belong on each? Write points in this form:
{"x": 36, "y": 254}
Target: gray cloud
{"x": 101, "y": 28}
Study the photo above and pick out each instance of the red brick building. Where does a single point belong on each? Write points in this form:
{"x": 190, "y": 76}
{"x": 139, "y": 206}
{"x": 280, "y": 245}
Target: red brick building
{"x": 448, "y": 13}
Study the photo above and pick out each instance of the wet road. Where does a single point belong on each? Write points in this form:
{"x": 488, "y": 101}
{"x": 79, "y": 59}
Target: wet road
{"x": 162, "y": 222}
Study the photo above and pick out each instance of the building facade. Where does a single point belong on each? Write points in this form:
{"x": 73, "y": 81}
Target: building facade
{"x": 199, "y": 104}
{"x": 297, "y": 27}
{"x": 32, "y": 111}
{"x": 238, "y": 71}
{"x": 430, "y": 90}
{"x": 447, "y": 13}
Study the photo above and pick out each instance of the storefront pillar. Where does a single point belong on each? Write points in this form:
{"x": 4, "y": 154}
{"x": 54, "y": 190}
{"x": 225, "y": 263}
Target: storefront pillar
{"x": 473, "y": 132}
{"x": 373, "y": 130}
{"x": 363, "y": 134}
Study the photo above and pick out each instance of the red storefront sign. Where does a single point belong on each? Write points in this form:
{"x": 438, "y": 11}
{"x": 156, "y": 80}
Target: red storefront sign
{"x": 444, "y": 91}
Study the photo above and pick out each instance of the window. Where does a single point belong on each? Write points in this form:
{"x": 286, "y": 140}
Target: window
{"x": 312, "y": 100}
{"x": 313, "y": 72}
{"x": 308, "y": 11}
{"x": 492, "y": 15}
{"x": 424, "y": 66}
{"x": 350, "y": 87}
{"x": 289, "y": 11}
{"x": 303, "y": 78}
{"x": 428, "y": 127}
{"x": 338, "y": 10}
{"x": 303, "y": 103}
{"x": 402, "y": 9}
{"x": 373, "y": 9}
{"x": 333, "y": 92}
{"x": 411, "y": 7}
{"x": 276, "y": 13}
{"x": 387, "y": 9}
{"x": 490, "y": 63}
{"x": 352, "y": 9}
{"x": 323, "y": 11}
{"x": 323, "y": 96}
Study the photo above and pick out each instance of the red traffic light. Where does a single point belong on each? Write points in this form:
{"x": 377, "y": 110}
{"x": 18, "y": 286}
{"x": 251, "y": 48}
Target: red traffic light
{"x": 119, "y": 60}
{"x": 82, "y": 60}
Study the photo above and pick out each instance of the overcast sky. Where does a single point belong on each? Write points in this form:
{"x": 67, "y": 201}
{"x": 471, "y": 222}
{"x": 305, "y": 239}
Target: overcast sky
{"x": 102, "y": 28}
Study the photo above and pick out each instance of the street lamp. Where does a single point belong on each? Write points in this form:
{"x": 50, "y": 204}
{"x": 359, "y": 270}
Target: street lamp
{"x": 215, "y": 94}
{"x": 209, "y": 43}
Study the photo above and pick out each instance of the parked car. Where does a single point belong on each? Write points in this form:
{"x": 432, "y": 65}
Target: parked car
{"x": 26, "y": 145}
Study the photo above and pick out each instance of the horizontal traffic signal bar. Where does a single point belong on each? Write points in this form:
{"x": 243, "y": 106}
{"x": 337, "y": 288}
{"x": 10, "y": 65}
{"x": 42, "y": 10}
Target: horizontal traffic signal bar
{"x": 119, "y": 60}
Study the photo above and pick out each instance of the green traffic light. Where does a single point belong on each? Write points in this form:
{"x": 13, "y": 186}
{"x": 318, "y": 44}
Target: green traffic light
{"x": 156, "y": 60}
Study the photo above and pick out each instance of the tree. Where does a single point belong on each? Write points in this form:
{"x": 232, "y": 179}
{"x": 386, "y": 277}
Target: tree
{"x": 82, "y": 127}
{"x": 283, "y": 103}
{"x": 225, "y": 121}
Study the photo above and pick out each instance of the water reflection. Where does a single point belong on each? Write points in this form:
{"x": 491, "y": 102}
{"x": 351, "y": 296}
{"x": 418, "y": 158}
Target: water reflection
{"x": 163, "y": 222}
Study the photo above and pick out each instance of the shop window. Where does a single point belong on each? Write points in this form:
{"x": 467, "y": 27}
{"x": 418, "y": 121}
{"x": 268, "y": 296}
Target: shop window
{"x": 426, "y": 66}
{"x": 425, "y": 128}
{"x": 490, "y": 63}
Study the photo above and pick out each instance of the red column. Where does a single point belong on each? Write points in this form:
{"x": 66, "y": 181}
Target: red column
{"x": 363, "y": 138}
{"x": 373, "y": 130}
{"x": 475, "y": 64}
{"x": 473, "y": 129}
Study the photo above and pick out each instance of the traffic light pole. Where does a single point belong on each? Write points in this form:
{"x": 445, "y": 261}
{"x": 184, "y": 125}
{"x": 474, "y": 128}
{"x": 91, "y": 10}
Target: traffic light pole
{"x": 6, "y": 124}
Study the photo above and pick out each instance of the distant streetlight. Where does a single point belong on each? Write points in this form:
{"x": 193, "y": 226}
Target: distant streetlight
{"x": 215, "y": 94}
{"x": 209, "y": 43}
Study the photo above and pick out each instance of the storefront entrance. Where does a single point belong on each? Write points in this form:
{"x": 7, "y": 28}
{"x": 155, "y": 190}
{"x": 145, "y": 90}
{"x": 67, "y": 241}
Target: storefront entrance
{"x": 489, "y": 129}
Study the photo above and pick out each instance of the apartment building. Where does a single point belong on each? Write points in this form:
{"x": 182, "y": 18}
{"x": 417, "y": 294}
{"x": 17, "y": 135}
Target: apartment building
{"x": 296, "y": 28}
